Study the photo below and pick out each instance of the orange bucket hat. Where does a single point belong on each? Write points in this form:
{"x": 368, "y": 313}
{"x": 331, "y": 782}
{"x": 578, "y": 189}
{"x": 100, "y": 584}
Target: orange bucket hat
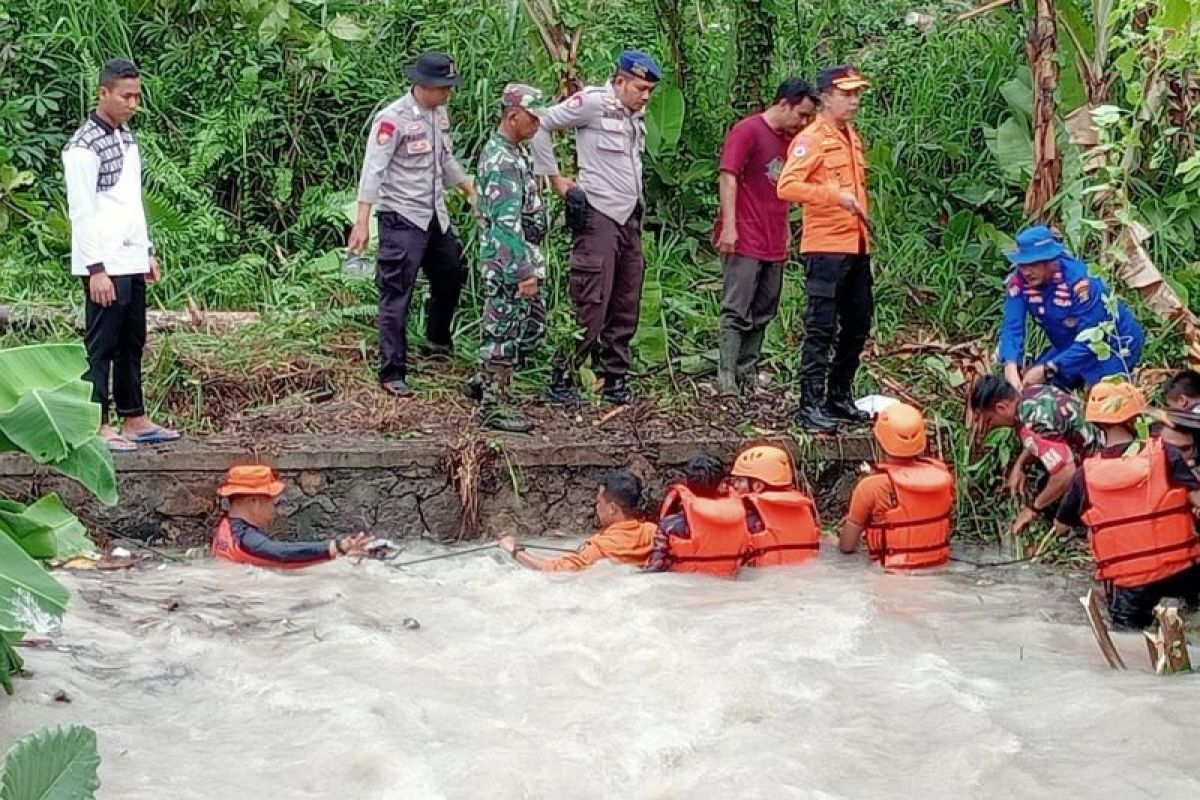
{"x": 251, "y": 479}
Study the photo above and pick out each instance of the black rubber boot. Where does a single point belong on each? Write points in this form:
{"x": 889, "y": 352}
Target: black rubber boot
{"x": 616, "y": 391}
{"x": 729, "y": 343}
{"x": 561, "y": 391}
{"x": 747, "y": 363}
{"x": 842, "y": 409}
{"x": 811, "y": 414}
{"x": 473, "y": 387}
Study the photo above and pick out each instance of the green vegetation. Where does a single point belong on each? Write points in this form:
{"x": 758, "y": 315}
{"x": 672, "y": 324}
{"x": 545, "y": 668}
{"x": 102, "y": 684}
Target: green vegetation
{"x": 47, "y": 413}
{"x": 256, "y": 112}
{"x": 52, "y": 764}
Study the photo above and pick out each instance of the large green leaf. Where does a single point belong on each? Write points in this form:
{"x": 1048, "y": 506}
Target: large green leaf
{"x": 1012, "y": 147}
{"x": 30, "y": 597}
{"x": 46, "y": 529}
{"x": 664, "y": 120}
{"x": 11, "y": 662}
{"x": 52, "y": 764}
{"x": 38, "y": 366}
{"x": 48, "y": 423}
{"x": 91, "y": 464}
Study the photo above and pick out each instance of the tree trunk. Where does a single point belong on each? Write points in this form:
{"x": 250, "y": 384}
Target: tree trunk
{"x": 561, "y": 46}
{"x": 670, "y": 12}
{"x": 754, "y": 26}
{"x": 1041, "y": 47}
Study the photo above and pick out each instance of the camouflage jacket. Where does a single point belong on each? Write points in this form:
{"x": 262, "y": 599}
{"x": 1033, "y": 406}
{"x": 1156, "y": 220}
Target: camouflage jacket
{"x": 513, "y": 212}
{"x": 1046, "y": 412}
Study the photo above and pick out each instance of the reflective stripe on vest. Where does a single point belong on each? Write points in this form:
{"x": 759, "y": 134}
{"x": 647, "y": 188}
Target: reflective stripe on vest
{"x": 718, "y": 539}
{"x": 916, "y": 533}
{"x": 790, "y": 532}
{"x": 1133, "y": 546}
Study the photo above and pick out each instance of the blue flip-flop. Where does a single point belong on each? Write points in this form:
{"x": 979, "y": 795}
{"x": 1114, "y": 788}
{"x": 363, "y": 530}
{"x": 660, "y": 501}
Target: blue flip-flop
{"x": 156, "y": 435}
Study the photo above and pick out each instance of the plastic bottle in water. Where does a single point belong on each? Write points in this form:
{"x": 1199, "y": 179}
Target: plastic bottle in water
{"x": 359, "y": 266}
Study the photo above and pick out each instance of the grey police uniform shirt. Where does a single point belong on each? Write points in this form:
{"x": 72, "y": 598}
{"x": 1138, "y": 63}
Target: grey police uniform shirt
{"x": 609, "y": 139}
{"x": 410, "y": 163}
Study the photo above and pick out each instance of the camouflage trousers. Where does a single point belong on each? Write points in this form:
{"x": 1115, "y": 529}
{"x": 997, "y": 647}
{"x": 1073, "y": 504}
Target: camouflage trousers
{"x": 513, "y": 326}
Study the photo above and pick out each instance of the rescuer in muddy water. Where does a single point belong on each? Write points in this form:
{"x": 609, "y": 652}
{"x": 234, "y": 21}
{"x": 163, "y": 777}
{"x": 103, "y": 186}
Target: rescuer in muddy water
{"x": 1137, "y": 499}
{"x": 623, "y": 536}
{"x": 905, "y": 506}
{"x": 252, "y": 491}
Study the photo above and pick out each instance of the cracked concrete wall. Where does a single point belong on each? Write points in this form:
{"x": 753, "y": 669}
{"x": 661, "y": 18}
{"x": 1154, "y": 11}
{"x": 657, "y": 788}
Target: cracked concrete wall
{"x": 180, "y": 508}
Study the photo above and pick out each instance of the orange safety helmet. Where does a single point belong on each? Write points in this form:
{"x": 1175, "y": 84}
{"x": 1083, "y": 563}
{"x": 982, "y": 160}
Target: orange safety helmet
{"x": 251, "y": 479}
{"x": 771, "y": 465}
{"x": 1114, "y": 402}
{"x": 900, "y": 430}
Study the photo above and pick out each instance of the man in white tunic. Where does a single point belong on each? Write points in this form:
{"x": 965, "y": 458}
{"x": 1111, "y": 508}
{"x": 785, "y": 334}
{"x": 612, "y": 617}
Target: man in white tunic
{"x": 112, "y": 254}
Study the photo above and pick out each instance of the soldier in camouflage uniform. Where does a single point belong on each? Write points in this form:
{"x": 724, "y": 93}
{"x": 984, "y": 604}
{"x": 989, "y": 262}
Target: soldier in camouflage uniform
{"x": 514, "y": 223}
{"x": 1051, "y": 427}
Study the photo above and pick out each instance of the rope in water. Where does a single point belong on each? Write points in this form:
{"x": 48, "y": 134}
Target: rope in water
{"x": 984, "y": 564}
{"x": 470, "y": 550}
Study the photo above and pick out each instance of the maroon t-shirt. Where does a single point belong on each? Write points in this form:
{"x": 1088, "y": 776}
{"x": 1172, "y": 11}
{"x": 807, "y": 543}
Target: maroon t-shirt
{"x": 755, "y": 153}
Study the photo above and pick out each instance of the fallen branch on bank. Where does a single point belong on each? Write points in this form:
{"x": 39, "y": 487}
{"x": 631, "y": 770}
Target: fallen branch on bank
{"x": 157, "y": 321}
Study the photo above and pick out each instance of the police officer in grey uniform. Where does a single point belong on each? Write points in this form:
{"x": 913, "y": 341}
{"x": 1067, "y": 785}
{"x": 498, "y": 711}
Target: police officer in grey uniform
{"x": 408, "y": 167}
{"x": 604, "y": 211}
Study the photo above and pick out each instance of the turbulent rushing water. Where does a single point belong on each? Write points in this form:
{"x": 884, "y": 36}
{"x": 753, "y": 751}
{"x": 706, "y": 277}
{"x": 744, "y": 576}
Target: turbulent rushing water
{"x": 826, "y": 681}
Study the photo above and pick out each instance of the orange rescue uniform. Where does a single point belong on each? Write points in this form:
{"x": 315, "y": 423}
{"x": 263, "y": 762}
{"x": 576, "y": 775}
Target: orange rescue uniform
{"x": 626, "y": 542}
{"x": 824, "y": 161}
{"x": 905, "y": 510}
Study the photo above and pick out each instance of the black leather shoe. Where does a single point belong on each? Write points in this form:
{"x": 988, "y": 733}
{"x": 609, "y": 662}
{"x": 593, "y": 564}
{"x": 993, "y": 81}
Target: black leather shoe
{"x": 813, "y": 419}
{"x": 842, "y": 409}
{"x": 561, "y": 391}
{"x": 473, "y": 387}
{"x": 616, "y": 391}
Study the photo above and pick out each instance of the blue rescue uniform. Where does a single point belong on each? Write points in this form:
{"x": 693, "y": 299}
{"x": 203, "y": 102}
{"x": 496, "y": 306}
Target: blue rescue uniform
{"x": 1066, "y": 306}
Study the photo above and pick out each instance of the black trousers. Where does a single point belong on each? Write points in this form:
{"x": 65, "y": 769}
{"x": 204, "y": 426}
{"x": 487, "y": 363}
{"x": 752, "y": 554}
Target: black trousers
{"x": 837, "y": 321}
{"x": 115, "y": 337}
{"x": 1133, "y": 606}
{"x": 607, "y": 269}
{"x": 404, "y": 249}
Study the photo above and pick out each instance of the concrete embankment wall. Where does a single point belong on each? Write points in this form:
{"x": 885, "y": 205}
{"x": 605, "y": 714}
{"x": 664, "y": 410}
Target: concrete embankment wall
{"x": 401, "y": 488}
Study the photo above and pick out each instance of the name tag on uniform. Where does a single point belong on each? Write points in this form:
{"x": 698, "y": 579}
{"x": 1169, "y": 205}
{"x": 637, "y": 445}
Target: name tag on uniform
{"x": 418, "y": 145}
{"x": 617, "y": 125}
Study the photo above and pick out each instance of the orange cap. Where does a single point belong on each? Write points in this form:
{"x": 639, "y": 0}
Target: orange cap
{"x": 900, "y": 430}
{"x": 251, "y": 479}
{"x": 771, "y": 465}
{"x": 1114, "y": 402}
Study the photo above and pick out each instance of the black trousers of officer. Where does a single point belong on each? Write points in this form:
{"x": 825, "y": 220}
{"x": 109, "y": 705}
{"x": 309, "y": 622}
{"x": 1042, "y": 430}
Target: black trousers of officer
{"x": 836, "y": 323}
{"x": 115, "y": 336}
{"x": 405, "y": 249}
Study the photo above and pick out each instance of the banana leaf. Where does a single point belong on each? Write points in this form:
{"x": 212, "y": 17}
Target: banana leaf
{"x": 52, "y": 764}
{"x": 48, "y": 423}
{"x": 46, "y": 529}
{"x": 38, "y": 366}
{"x": 30, "y": 597}
{"x": 91, "y": 464}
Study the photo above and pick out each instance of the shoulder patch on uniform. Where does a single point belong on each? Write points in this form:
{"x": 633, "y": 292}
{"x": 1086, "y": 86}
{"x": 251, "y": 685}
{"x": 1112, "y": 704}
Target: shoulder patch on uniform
{"x": 384, "y": 132}
{"x": 799, "y": 150}
{"x": 575, "y": 100}
{"x": 1014, "y": 287}
{"x": 1083, "y": 289}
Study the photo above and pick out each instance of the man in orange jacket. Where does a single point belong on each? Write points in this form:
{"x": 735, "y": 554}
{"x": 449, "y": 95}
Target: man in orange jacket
{"x": 826, "y": 172}
{"x": 622, "y": 537}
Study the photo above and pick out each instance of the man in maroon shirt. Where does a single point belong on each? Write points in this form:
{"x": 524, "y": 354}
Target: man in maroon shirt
{"x": 752, "y": 233}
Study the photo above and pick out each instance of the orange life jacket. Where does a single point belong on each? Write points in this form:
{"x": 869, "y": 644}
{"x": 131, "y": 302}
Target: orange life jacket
{"x": 718, "y": 540}
{"x": 1140, "y": 526}
{"x": 791, "y": 534}
{"x": 225, "y": 547}
{"x": 916, "y": 533}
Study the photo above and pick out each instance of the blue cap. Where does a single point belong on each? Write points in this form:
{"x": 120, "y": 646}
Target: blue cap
{"x": 639, "y": 65}
{"x": 1035, "y": 244}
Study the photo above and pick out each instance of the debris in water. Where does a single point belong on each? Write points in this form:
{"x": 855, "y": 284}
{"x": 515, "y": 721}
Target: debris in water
{"x": 120, "y": 552}
{"x": 411, "y": 624}
{"x": 61, "y": 697}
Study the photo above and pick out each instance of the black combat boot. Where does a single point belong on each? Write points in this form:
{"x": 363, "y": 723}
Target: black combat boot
{"x": 473, "y": 386}
{"x": 811, "y": 414}
{"x": 616, "y": 391}
{"x": 561, "y": 391}
{"x": 841, "y": 408}
{"x": 497, "y": 411}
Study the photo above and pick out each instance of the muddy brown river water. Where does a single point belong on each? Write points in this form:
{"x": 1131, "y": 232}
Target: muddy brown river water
{"x": 830, "y": 680}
